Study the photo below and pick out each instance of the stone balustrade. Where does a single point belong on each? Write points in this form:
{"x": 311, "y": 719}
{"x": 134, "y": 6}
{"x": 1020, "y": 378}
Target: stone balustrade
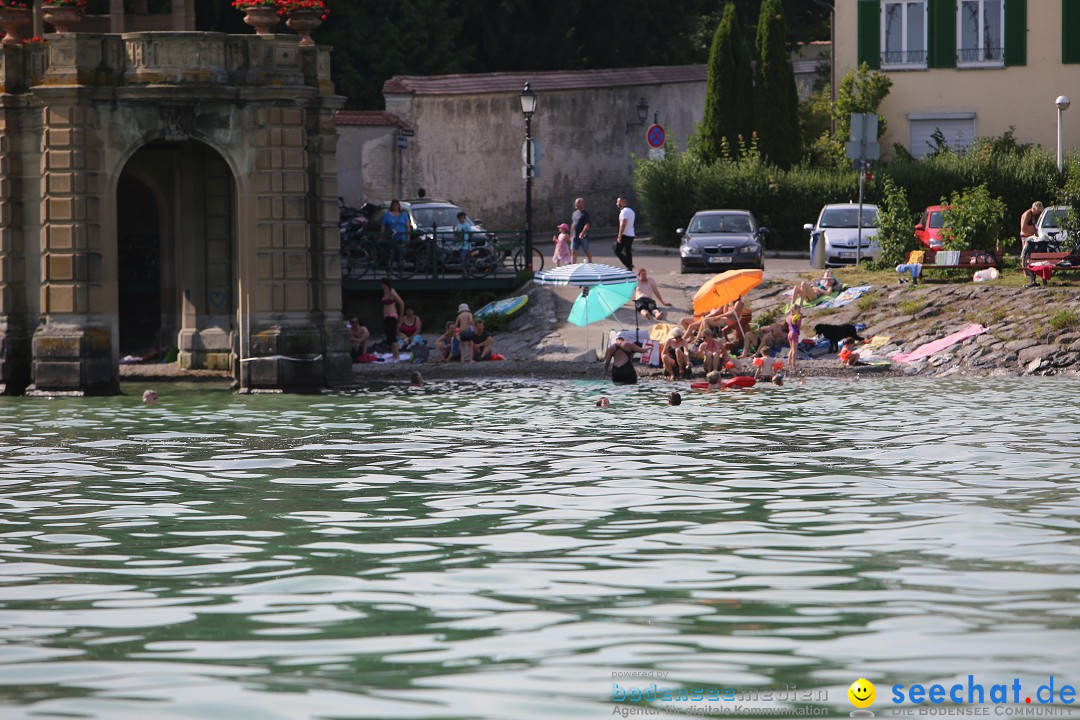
{"x": 166, "y": 59}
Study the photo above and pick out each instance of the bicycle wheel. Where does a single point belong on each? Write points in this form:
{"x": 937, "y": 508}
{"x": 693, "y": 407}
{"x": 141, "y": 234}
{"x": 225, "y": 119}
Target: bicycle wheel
{"x": 355, "y": 261}
{"x": 519, "y": 260}
{"x": 480, "y": 263}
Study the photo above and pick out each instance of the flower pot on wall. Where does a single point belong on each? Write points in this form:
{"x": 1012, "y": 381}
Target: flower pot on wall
{"x": 62, "y": 17}
{"x": 11, "y": 19}
{"x": 263, "y": 19}
{"x": 304, "y": 22}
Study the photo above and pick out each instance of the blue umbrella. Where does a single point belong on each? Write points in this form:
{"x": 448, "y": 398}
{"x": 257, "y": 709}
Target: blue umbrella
{"x": 589, "y": 276}
{"x": 597, "y": 303}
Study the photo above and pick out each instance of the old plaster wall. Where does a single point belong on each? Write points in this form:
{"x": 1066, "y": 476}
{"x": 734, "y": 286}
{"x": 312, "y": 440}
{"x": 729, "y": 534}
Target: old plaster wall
{"x": 368, "y": 163}
{"x": 468, "y": 146}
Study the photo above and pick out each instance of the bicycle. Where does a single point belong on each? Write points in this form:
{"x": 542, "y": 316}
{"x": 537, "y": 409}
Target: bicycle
{"x": 515, "y": 251}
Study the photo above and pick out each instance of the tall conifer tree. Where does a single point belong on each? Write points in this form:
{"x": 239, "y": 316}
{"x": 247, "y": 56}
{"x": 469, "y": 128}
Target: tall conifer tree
{"x": 777, "y": 108}
{"x": 729, "y": 94}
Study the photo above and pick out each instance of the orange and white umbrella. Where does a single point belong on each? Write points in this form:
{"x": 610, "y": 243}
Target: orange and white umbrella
{"x": 727, "y": 287}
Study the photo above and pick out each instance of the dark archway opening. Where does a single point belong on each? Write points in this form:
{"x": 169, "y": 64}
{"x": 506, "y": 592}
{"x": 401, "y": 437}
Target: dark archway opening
{"x": 138, "y": 268}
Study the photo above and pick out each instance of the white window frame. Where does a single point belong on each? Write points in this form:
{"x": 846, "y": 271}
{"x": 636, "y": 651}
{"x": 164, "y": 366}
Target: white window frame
{"x": 984, "y": 7}
{"x": 917, "y": 64}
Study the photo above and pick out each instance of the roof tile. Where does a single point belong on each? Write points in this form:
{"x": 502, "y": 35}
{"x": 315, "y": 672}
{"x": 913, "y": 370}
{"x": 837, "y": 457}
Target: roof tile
{"x": 542, "y": 81}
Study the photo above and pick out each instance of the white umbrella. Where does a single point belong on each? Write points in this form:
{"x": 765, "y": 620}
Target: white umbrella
{"x": 585, "y": 275}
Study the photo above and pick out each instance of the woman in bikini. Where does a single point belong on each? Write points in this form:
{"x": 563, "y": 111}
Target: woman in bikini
{"x": 676, "y": 361}
{"x": 392, "y": 306}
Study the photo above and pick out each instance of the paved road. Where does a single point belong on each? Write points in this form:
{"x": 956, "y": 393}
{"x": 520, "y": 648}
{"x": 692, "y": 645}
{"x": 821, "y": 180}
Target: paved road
{"x": 677, "y": 289}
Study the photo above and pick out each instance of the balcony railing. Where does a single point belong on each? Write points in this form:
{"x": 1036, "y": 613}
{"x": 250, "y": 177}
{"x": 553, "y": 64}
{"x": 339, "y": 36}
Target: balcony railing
{"x": 436, "y": 255}
{"x": 980, "y": 55}
{"x": 895, "y": 58}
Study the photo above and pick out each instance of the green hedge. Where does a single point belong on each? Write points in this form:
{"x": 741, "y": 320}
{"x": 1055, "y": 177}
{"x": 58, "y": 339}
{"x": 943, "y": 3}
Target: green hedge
{"x": 673, "y": 189}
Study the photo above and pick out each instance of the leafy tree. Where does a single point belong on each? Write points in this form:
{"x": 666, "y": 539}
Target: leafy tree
{"x": 896, "y": 223}
{"x": 777, "y": 108}
{"x": 861, "y": 91}
{"x": 729, "y": 93}
{"x": 972, "y": 219}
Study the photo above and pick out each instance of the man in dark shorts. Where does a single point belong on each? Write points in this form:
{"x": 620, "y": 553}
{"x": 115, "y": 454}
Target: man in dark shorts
{"x": 620, "y": 358}
{"x": 645, "y": 296}
{"x": 579, "y": 228}
{"x": 482, "y": 342}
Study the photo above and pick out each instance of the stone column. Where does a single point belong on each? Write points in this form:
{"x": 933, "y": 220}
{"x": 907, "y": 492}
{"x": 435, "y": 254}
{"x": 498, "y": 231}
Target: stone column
{"x": 326, "y": 240}
{"x": 73, "y": 348}
{"x": 116, "y": 16}
{"x": 286, "y": 346}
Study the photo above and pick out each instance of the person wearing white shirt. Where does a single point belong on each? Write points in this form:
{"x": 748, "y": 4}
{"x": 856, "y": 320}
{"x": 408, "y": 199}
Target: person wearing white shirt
{"x": 624, "y": 241}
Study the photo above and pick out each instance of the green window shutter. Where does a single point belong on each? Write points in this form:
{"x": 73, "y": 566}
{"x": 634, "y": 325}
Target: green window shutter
{"x": 1015, "y": 32}
{"x": 870, "y": 33}
{"x": 1070, "y": 31}
{"x": 941, "y": 27}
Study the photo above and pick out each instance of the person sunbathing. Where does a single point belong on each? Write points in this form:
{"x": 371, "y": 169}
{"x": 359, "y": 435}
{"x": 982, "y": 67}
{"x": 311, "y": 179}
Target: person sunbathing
{"x": 807, "y": 291}
{"x": 676, "y": 361}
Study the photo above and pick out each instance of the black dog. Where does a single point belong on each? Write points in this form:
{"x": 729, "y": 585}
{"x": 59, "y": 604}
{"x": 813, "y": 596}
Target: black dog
{"x": 835, "y": 333}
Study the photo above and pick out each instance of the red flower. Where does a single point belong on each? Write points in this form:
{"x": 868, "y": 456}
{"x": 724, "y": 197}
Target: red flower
{"x": 245, "y": 4}
{"x": 13, "y": 4}
{"x": 288, "y": 6}
{"x": 80, "y": 4}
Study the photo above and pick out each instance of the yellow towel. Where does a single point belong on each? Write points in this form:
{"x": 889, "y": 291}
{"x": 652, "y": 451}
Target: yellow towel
{"x": 662, "y": 331}
{"x": 916, "y": 256}
{"x": 878, "y": 341}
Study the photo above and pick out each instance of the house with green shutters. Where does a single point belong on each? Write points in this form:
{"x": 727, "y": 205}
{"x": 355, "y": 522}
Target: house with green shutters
{"x": 967, "y": 68}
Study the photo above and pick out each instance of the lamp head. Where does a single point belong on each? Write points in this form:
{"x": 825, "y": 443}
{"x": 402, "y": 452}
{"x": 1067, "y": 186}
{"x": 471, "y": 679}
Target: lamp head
{"x": 1062, "y": 102}
{"x": 642, "y": 110}
{"x": 528, "y": 101}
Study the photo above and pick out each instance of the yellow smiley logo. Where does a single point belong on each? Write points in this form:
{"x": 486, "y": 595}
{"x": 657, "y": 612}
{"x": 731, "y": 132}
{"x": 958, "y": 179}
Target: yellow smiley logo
{"x": 862, "y": 693}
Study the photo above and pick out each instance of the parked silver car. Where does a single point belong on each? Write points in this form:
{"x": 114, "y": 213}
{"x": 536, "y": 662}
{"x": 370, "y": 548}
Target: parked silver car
{"x": 838, "y": 228}
{"x": 1051, "y": 224}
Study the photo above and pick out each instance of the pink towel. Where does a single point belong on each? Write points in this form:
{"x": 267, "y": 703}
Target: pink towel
{"x": 937, "y": 346}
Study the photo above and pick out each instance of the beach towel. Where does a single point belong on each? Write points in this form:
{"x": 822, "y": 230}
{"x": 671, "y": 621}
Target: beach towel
{"x": 947, "y": 257}
{"x": 877, "y": 341}
{"x": 847, "y": 296}
{"x": 931, "y": 348}
{"x": 819, "y": 300}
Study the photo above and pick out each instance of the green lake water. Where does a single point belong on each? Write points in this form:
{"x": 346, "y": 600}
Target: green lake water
{"x": 508, "y": 550}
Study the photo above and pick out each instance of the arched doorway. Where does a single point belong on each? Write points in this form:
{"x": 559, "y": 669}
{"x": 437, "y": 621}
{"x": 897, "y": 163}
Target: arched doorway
{"x": 176, "y": 211}
{"x": 138, "y": 250}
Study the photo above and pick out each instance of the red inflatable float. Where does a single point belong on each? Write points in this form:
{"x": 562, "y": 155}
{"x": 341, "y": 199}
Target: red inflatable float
{"x": 737, "y": 381}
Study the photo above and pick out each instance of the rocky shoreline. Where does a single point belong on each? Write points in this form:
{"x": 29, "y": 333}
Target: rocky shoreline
{"x": 1031, "y": 331}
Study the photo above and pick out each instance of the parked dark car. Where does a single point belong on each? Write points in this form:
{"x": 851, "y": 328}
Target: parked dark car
{"x": 718, "y": 240}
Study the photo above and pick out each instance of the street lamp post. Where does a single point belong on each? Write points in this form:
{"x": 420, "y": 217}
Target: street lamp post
{"x": 1062, "y": 105}
{"x": 528, "y": 107}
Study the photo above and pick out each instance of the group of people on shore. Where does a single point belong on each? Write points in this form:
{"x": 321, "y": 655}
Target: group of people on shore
{"x": 465, "y": 339}
{"x": 572, "y": 239}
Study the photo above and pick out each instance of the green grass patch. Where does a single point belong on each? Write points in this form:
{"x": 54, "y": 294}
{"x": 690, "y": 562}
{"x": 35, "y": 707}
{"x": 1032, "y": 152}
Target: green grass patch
{"x": 910, "y": 307}
{"x": 1063, "y": 319}
{"x": 867, "y": 302}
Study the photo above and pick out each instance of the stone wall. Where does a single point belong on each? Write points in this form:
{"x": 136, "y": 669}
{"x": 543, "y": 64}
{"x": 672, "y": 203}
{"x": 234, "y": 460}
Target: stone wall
{"x": 467, "y": 148}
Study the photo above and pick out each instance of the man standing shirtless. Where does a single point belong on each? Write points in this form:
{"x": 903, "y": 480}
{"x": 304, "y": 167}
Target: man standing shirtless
{"x": 645, "y": 296}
